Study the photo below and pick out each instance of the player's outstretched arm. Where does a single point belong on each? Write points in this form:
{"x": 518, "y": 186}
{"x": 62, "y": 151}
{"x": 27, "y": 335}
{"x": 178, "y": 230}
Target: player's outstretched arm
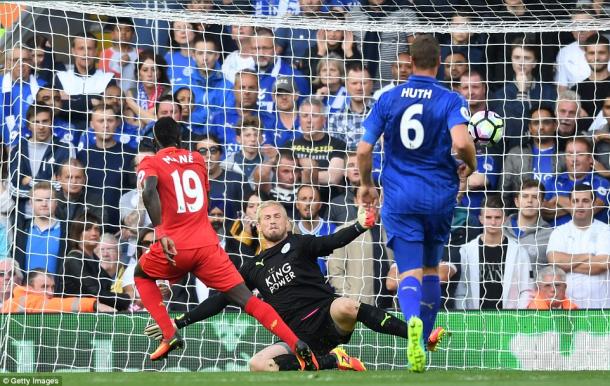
{"x": 325, "y": 245}
{"x": 367, "y": 193}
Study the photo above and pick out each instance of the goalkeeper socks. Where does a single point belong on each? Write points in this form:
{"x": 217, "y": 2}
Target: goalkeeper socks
{"x": 151, "y": 297}
{"x": 409, "y": 297}
{"x": 289, "y": 362}
{"x": 269, "y": 318}
{"x": 380, "y": 321}
{"x": 430, "y": 302}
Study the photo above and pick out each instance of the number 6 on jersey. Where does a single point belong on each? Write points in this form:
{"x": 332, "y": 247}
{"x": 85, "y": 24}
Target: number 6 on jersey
{"x": 408, "y": 124}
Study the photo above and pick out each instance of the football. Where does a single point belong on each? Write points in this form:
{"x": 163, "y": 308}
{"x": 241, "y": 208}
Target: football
{"x": 486, "y": 127}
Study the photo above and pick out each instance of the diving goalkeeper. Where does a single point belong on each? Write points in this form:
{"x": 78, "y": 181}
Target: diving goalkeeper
{"x": 288, "y": 277}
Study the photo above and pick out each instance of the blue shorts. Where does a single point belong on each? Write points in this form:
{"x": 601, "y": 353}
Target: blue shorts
{"x": 425, "y": 228}
{"x": 416, "y": 239}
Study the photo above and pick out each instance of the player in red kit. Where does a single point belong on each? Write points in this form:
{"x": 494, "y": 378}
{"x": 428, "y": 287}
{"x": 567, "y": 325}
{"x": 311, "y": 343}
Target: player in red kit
{"x": 175, "y": 194}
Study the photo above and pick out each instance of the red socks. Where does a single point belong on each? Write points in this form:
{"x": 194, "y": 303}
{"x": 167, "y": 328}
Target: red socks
{"x": 269, "y": 318}
{"x": 153, "y": 301}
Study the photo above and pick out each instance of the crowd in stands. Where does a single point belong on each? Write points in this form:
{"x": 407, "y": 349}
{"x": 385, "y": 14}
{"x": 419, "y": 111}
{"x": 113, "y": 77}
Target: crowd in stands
{"x": 278, "y": 114}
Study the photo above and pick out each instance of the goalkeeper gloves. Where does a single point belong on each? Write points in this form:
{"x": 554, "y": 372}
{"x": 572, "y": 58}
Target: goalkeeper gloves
{"x": 366, "y": 217}
{"x": 153, "y": 331}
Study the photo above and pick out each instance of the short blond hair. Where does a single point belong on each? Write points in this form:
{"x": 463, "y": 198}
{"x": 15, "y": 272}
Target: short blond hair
{"x": 268, "y": 203}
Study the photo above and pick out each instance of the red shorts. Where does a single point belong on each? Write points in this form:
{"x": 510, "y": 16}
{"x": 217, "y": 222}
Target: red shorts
{"x": 209, "y": 264}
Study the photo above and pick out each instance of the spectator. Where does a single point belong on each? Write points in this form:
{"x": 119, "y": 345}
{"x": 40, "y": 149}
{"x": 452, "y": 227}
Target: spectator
{"x": 19, "y": 86}
{"x": 282, "y": 125}
{"x": 581, "y": 247}
{"x": 464, "y": 43}
{"x": 212, "y": 91}
{"x": 243, "y": 242}
{"x": 226, "y": 187}
{"x": 269, "y": 66}
{"x": 594, "y": 89}
{"x": 38, "y": 296}
{"x": 82, "y": 83}
{"x": 495, "y": 269}
{"x": 145, "y": 239}
{"x": 601, "y": 141}
{"x": 10, "y": 276}
{"x": 108, "y": 252}
{"x": 133, "y": 213}
{"x": 121, "y": 56}
{"x": 379, "y": 49}
{"x": 250, "y": 138}
{"x": 295, "y": 43}
{"x": 342, "y": 207}
{"x": 338, "y": 44}
{"x": 330, "y": 82}
{"x": 308, "y": 205}
{"x": 579, "y": 170}
{"x": 346, "y": 123}
{"x": 73, "y": 197}
{"x": 572, "y": 67}
{"x": 401, "y": 70}
{"x": 473, "y": 87}
{"x": 179, "y": 61}
{"x": 222, "y": 123}
{"x": 518, "y": 95}
{"x": 166, "y": 106}
{"x": 43, "y": 62}
{"x": 455, "y": 66}
{"x": 41, "y": 241}
{"x": 37, "y": 157}
{"x": 278, "y": 179}
{"x": 359, "y": 269}
{"x": 7, "y": 205}
{"x": 185, "y": 97}
{"x": 154, "y": 34}
{"x": 150, "y": 85}
{"x": 107, "y": 163}
{"x": 320, "y": 155}
{"x": 539, "y": 159}
{"x": 551, "y": 291}
{"x": 243, "y": 57}
{"x": 570, "y": 116}
{"x": 526, "y": 227}
{"x": 62, "y": 128}
{"x": 82, "y": 272}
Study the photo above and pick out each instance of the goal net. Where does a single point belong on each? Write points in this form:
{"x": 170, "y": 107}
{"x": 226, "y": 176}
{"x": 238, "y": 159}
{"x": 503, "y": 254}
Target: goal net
{"x": 274, "y": 93}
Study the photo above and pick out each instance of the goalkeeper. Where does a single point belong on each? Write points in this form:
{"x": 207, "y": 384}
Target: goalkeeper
{"x": 288, "y": 277}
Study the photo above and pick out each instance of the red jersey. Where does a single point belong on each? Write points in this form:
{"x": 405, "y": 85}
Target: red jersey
{"x": 182, "y": 183}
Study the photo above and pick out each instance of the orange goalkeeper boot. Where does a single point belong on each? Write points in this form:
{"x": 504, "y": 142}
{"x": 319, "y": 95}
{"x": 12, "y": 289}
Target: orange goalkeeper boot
{"x": 307, "y": 359}
{"x": 345, "y": 362}
{"x": 436, "y": 337}
{"x": 167, "y": 346}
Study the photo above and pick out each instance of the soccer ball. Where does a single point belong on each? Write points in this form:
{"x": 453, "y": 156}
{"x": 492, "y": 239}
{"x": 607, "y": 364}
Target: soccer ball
{"x": 486, "y": 127}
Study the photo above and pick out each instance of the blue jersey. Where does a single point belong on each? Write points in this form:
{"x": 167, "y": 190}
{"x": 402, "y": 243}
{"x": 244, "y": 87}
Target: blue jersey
{"x": 419, "y": 173}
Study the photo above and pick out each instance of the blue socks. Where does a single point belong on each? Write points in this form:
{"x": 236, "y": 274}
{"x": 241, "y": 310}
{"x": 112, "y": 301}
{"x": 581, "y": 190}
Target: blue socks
{"x": 430, "y": 303}
{"x": 409, "y": 297}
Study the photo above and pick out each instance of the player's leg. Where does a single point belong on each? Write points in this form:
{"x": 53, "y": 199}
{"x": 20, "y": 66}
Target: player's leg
{"x": 436, "y": 236}
{"x": 346, "y": 312}
{"x": 214, "y": 269}
{"x": 151, "y": 297}
{"x": 269, "y": 318}
{"x": 406, "y": 239}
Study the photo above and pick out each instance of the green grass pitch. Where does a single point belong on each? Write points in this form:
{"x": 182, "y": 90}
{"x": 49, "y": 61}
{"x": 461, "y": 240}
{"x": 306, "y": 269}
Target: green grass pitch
{"x": 336, "y": 378}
